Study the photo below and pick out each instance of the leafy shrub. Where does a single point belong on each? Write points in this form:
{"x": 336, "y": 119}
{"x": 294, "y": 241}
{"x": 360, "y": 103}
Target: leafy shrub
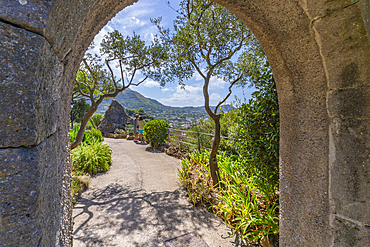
{"x": 73, "y": 133}
{"x": 156, "y": 132}
{"x": 79, "y": 183}
{"x": 256, "y": 133}
{"x": 95, "y": 120}
{"x": 80, "y": 107}
{"x": 90, "y": 158}
{"x": 196, "y": 179}
{"x": 245, "y": 205}
{"x": 93, "y": 135}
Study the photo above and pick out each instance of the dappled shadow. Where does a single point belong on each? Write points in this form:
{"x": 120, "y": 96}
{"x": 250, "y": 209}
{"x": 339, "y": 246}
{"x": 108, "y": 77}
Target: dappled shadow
{"x": 137, "y": 218}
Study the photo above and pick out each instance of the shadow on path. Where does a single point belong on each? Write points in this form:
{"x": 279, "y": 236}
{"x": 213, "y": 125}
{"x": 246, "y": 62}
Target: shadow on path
{"x": 138, "y": 203}
{"x": 152, "y": 217}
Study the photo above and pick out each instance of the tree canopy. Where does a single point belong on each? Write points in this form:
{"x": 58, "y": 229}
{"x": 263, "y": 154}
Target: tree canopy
{"x": 96, "y": 79}
{"x": 208, "y": 40}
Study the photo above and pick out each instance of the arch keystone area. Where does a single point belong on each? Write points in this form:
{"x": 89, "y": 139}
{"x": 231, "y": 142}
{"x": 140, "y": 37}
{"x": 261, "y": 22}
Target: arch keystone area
{"x": 319, "y": 52}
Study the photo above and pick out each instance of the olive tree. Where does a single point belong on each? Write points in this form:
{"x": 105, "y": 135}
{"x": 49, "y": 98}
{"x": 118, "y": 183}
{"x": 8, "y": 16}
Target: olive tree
{"x": 211, "y": 41}
{"x": 96, "y": 79}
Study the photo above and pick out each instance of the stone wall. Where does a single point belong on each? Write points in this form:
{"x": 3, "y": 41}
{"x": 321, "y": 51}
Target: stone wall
{"x": 41, "y": 45}
{"x": 319, "y": 52}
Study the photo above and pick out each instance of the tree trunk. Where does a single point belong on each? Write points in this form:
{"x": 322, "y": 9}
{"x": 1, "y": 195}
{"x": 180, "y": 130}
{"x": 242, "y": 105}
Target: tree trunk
{"x": 213, "y": 154}
{"x": 84, "y": 121}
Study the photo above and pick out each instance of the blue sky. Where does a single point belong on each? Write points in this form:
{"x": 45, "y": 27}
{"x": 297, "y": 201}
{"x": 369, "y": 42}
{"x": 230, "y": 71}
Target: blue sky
{"x": 136, "y": 18}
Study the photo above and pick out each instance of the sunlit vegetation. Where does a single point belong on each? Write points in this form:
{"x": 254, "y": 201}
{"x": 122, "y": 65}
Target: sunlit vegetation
{"x": 89, "y": 158}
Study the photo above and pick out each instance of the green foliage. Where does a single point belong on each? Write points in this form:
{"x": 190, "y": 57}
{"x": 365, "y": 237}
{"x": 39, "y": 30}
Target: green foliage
{"x": 207, "y": 38}
{"x": 141, "y": 112}
{"x": 133, "y": 55}
{"x": 256, "y": 133}
{"x": 93, "y": 135}
{"x": 95, "y": 120}
{"x": 249, "y": 207}
{"x": 79, "y": 183}
{"x": 195, "y": 177}
{"x": 156, "y": 131}
{"x": 90, "y": 158}
{"x": 246, "y": 206}
{"x": 73, "y": 133}
{"x": 79, "y": 109}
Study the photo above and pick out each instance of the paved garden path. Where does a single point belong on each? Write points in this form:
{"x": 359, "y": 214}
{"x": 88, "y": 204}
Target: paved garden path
{"x": 138, "y": 202}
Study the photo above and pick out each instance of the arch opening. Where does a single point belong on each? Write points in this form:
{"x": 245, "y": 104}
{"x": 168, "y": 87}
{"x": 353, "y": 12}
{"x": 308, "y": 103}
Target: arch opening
{"x": 323, "y": 95}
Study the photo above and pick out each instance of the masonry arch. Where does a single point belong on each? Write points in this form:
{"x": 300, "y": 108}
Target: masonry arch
{"x": 319, "y": 53}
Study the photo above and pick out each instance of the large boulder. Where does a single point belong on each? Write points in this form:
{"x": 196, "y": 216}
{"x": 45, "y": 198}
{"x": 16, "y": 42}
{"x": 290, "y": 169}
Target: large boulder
{"x": 114, "y": 118}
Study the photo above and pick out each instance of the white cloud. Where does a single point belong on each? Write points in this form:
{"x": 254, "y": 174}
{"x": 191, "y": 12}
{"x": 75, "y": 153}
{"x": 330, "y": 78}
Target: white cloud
{"x": 191, "y": 95}
{"x": 166, "y": 89}
{"x": 150, "y": 83}
{"x": 216, "y": 83}
{"x": 215, "y": 96}
{"x": 99, "y": 37}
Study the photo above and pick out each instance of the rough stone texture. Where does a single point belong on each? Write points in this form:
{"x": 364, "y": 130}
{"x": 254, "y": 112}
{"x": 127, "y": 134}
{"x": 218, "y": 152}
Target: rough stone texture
{"x": 35, "y": 196}
{"x": 114, "y": 118}
{"x": 348, "y": 233}
{"x": 350, "y": 170}
{"x": 319, "y": 52}
{"x": 31, "y": 16}
{"x": 365, "y": 10}
{"x": 30, "y": 89}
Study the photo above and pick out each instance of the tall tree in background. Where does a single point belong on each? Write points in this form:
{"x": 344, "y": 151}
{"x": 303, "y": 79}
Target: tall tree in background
{"x": 96, "y": 81}
{"x": 211, "y": 41}
{"x": 80, "y": 107}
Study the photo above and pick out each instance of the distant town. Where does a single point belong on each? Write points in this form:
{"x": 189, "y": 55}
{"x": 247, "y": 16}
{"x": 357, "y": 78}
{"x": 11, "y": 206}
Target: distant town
{"x": 176, "y": 117}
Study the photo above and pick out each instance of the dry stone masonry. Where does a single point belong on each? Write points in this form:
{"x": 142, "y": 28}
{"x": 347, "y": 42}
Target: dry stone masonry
{"x": 319, "y": 52}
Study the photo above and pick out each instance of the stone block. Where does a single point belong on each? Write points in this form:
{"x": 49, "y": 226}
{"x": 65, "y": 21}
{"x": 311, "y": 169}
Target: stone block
{"x": 31, "y": 88}
{"x": 28, "y": 14}
{"x": 344, "y": 47}
{"x": 35, "y": 195}
{"x": 350, "y": 234}
{"x": 350, "y": 169}
{"x": 349, "y": 103}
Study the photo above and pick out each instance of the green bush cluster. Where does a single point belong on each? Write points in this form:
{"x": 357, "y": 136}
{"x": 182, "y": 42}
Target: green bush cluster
{"x": 79, "y": 183}
{"x": 249, "y": 174}
{"x": 156, "y": 131}
{"x": 90, "y": 136}
{"x": 90, "y": 158}
{"x": 255, "y": 133}
{"x": 245, "y": 205}
{"x": 141, "y": 112}
{"x": 95, "y": 120}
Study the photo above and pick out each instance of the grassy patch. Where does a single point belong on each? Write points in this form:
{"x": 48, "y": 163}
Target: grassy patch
{"x": 244, "y": 199}
{"x": 79, "y": 184}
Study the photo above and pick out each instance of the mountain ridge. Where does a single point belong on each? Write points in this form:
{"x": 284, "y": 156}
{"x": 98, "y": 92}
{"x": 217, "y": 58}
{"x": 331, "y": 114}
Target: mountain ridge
{"x": 134, "y": 100}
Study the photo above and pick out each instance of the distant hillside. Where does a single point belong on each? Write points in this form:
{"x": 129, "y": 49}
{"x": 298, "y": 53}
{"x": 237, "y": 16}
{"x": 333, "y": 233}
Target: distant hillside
{"x": 133, "y": 100}
{"x": 175, "y": 116}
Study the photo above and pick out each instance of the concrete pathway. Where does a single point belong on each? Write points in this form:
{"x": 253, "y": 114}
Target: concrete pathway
{"x": 138, "y": 202}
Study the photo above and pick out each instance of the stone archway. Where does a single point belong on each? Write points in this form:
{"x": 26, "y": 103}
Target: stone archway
{"x": 319, "y": 53}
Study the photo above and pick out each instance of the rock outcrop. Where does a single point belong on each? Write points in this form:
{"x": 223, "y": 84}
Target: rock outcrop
{"x": 114, "y": 118}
